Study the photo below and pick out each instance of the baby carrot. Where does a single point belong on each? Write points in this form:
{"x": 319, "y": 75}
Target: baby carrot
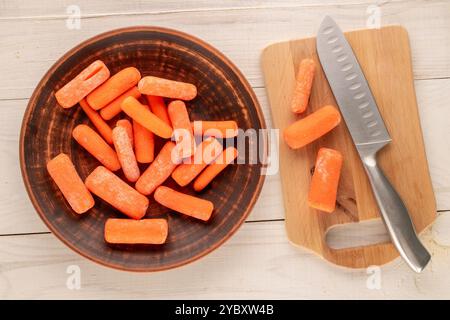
{"x": 167, "y": 88}
{"x": 84, "y": 83}
{"x": 302, "y": 90}
{"x": 95, "y": 145}
{"x": 126, "y": 124}
{"x": 63, "y": 172}
{"x": 127, "y": 231}
{"x": 159, "y": 170}
{"x": 158, "y": 107}
{"x": 312, "y": 127}
{"x": 208, "y": 150}
{"x": 113, "y": 109}
{"x": 114, "y": 87}
{"x": 219, "y": 129}
{"x": 109, "y": 187}
{"x": 325, "y": 180}
{"x": 102, "y": 127}
{"x": 226, "y": 157}
{"x": 140, "y": 113}
{"x": 184, "y": 203}
{"x": 124, "y": 149}
{"x": 144, "y": 143}
{"x": 182, "y": 129}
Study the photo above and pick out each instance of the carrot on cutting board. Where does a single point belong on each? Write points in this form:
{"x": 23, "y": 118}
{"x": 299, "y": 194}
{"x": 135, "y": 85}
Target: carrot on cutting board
{"x": 216, "y": 167}
{"x": 155, "y": 86}
{"x": 63, "y": 172}
{"x": 124, "y": 149}
{"x": 219, "y": 129}
{"x": 144, "y": 143}
{"x": 109, "y": 187}
{"x": 182, "y": 129}
{"x": 102, "y": 127}
{"x": 206, "y": 153}
{"x": 184, "y": 203}
{"x": 114, "y": 108}
{"x": 83, "y": 84}
{"x": 159, "y": 170}
{"x": 312, "y": 127}
{"x": 140, "y": 113}
{"x": 303, "y": 84}
{"x": 96, "y": 146}
{"x": 113, "y": 87}
{"x": 325, "y": 180}
{"x": 158, "y": 107}
{"x": 127, "y": 231}
{"x": 126, "y": 124}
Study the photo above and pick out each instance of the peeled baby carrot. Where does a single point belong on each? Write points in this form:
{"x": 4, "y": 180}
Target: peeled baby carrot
{"x": 124, "y": 149}
{"x": 155, "y": 86}
{"x": 312, "y": 127}
{"x": 102, "y": 127}
{"x": 140, "y": 113}
{"x": 144, "y": 143}
{"x": 184, "y": 203}
{"x": 206, "y": 152}
{"x": 126, "y": 124}
{"x": 95, "y": 145}
{"x": 63, "y": 172}
{"x": 114, "y": 87}
{"x": 219, "y": 129}
{"x": 182, "y": 129}
{"x": 114, "y": 108}
{"x": 159, "y": 170}
{"x": 83, "y": 84}
{"x": 225, "y": 158}
{"x": 302, "y": 90}
{"x": 158, "y": 107}
{"x": 325, "y": 180}
{"x": 145, "y": 231}
{"x": 109, "y": 187}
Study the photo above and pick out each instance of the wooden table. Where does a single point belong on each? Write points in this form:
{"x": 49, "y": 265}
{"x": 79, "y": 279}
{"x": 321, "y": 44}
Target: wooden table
{"x": 258, "y": 262}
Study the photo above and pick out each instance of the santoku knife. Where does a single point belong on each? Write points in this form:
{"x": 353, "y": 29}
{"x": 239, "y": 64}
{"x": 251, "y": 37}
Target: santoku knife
{"x": 369, "y": 134}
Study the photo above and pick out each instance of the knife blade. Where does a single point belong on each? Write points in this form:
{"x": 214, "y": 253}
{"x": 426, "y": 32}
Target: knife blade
{"x": 369, "y": 134}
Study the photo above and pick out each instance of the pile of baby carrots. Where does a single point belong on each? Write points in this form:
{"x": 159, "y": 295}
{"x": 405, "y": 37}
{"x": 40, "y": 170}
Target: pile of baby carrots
{"x": 325, "y": 179}
{"x": 128, "y": 113}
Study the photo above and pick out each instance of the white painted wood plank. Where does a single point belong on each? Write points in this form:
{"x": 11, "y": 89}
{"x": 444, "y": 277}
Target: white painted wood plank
{"x": 31, "y": 46}
{"x": 258, "y": 262}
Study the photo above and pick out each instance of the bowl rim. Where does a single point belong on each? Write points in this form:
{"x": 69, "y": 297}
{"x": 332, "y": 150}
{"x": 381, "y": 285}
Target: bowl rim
{"x": 45, "y": 78}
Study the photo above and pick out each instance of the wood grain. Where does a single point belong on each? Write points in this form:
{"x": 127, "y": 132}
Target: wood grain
{"x": 384, "y": 56}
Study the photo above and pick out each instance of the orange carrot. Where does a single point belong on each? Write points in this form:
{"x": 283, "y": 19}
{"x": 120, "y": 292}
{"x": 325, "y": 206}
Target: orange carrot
{"x": 219, "y": 129}
{"x": 182, "y": 129}
{"x": 167, "y": 88}
{"x": 124, "y": 149}
{"x": 158, "y": 107}
{"x": 114, "y": 87}
{"x": 144, "y": 143}
{"x": 126, "y": 124}
{"x": 312, "y": 127}
{"x": 113, "y": 109}
{"x": 95, "y": 145}
{"x": 140, "y": 113}
{"x": 325, "y": 180}
{"x": 109, "y": 187}
{"x": 302, "y": 90}
{"x": 102, "y": 127}
{"x": 159, "y": 170}
{"x": 184, "y": 203}
{"x": 226, "y": 157}
{"x": 208, "y": 150}
{"x": 63, "y": 172}
{"x": 83, "y": 84}
{"x": 145, "y": 231}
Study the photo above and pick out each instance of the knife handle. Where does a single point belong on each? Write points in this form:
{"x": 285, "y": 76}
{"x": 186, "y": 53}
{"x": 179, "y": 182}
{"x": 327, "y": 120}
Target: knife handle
{"x": 396, "y": 217}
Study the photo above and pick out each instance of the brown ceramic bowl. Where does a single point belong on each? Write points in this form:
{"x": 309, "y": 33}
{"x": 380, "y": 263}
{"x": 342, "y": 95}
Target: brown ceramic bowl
{"x": 223, "y": 93}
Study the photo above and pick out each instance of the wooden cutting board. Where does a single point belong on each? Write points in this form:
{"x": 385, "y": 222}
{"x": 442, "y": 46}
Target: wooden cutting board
{"x": 384, "y": 55}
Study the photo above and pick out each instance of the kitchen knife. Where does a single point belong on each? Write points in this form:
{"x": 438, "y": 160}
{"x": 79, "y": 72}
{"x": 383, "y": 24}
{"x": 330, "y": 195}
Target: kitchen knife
{"x": 369, "y": 133}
